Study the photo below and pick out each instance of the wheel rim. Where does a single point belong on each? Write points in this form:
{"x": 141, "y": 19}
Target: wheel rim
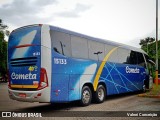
{"x": 144, "y": 88}
{"x": 86, "y": 96}
{"x": 101, "y": 94}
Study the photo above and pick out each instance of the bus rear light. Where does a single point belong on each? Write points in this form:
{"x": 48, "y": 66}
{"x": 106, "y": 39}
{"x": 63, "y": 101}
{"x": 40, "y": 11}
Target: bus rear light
{"x": 43, "y": 79}
{"x": 39, "y": 94}
{"x": 43, "y": 84}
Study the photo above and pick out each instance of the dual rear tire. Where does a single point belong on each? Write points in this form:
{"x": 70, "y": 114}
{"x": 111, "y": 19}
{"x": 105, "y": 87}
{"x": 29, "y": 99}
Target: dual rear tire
{"x": 100, "y": 94}
{"x": 87, "y": 94}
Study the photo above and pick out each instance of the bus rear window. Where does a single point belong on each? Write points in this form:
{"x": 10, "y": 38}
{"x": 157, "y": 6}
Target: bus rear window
{"x": 25, "y": 36}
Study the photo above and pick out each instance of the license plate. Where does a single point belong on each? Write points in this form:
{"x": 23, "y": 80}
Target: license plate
{"x": 23, "y": 95}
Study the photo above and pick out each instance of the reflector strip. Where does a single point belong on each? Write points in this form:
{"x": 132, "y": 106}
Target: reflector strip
{"x": 24, "y": 86}
{"x": 26, "y": 45}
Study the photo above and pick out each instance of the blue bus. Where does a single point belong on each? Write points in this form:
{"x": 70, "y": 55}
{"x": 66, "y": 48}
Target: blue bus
{"x": 51, "y": 64}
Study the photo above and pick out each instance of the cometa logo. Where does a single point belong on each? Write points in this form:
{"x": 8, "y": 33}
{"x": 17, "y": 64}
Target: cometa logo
{"x": 23, "y": 76}
{"x": 132, "y": 70}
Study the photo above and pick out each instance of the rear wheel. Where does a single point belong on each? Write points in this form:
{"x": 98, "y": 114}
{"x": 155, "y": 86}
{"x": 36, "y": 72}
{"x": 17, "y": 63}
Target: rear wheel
{"x": 100, "y": 94}
{"x": 86, "y": 96}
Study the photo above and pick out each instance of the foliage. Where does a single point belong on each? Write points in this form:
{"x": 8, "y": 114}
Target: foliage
{"x": 153, "y": 93}
{"x": 149, "y": 46}
{"x": 3, "y": 48}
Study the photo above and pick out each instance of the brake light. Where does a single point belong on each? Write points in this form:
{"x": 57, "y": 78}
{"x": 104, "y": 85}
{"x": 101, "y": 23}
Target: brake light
{"x": 43, "y": 79}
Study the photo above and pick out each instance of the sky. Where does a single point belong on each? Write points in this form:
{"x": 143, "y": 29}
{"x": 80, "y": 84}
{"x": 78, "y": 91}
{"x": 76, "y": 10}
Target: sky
{"x": 123, "y": 21}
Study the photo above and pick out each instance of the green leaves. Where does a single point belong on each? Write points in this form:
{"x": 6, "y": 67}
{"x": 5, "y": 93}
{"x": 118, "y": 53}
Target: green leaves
{"x": 149, "y": 45}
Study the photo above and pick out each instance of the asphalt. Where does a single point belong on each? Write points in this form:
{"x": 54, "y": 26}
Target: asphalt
{"x": 114, "y": 106}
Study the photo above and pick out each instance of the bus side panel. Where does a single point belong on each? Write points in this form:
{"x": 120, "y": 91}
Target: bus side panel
{"x": 59, "y": 88}
{"x": 118, "y": 80}
{"x": 74, "y": 87}
{"x": 77, "y": 81}
{"x": 72, "y": 74}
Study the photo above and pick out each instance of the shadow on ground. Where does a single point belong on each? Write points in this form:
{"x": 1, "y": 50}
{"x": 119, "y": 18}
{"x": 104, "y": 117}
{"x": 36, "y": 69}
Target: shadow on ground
{"x": 55, "y": 107}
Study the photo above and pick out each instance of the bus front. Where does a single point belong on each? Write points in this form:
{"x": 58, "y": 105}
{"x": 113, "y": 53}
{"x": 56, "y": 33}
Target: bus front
{"x": 28, "y": 80}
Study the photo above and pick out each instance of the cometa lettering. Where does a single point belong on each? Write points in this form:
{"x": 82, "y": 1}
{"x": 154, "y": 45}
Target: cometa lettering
{"x": 132, "y": 70}
{"x": 23, "y": 76}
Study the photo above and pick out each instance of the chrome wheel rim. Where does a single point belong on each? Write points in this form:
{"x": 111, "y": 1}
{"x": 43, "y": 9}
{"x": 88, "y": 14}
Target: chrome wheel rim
{"x": 101, "y": 94}
{"x": 86, "y": 96}
{"x": 144, "y": 88}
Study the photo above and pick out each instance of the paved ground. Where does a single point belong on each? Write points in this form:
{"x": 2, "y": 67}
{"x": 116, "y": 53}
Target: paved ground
{"x": 113, "y": 105}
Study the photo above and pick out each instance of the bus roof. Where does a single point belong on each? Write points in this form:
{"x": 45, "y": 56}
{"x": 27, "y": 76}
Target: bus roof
{"x": 88, "y": 37}
{"x": 98, "y": 39}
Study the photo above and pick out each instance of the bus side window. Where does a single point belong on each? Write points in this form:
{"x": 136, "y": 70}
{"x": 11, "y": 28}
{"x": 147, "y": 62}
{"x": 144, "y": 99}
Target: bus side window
{"x": 141, "y": 60}
{"x": 61, "y": 42}
{"x": 114, "y": 55}
{"x": 133, "y": 58}
{"x": 123, "y": 55}
{"x": 96, "y": 50}
{"x": 79, "y": 47}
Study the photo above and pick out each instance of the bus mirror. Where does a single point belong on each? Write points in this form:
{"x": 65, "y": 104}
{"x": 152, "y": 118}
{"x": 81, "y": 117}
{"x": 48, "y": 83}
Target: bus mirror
{"x": 150, "y": 61}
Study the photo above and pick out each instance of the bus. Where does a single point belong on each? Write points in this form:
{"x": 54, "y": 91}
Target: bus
{"x": 51, "y": 64}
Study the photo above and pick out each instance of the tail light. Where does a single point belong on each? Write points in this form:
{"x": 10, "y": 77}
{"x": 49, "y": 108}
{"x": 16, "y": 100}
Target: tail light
{"x": 43, "y": 79}
{"x": 9, "y": 80}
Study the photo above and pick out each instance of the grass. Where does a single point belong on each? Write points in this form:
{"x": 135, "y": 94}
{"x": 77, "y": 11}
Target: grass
{"x": 154, "y": 92}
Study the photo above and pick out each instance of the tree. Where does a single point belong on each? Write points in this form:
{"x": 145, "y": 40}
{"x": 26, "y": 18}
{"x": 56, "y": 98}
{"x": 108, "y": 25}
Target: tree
{"x": 145, "y": 43}
{"x": 148, "y": 44}
{"x": 3, "y": 48}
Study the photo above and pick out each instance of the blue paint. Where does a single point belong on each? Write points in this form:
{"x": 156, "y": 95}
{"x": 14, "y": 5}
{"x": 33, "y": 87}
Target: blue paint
{"x": 68, "y": 78}
{"x": 14, "y": 40}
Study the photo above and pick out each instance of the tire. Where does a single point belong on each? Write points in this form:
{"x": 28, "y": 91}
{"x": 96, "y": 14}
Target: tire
{"x": 100, "y": 94}
{"x": 86, "y": 96}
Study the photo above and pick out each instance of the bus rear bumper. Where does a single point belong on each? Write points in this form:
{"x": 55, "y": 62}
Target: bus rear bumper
{"x": 30, "y": 96}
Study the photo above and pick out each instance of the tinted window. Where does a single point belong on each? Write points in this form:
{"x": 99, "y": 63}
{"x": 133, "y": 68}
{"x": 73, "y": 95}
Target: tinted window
{"x": 23, "y": 36}
{"x": 96, "y": 50}
{"x": 79, "y": 47}
{"x": 133, "y": 58}
{"x": 61, "y": 42}
{"x": 108, "y": 48}
{"x": 114, "y": 55}
{"x": 123, "y": 56}
{"x": 141, "y": 60}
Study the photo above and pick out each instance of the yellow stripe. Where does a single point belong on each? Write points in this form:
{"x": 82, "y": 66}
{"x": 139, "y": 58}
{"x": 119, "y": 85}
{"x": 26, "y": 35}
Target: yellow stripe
{"x": 24, "y": 86}
{"x": 95, "y": 84}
